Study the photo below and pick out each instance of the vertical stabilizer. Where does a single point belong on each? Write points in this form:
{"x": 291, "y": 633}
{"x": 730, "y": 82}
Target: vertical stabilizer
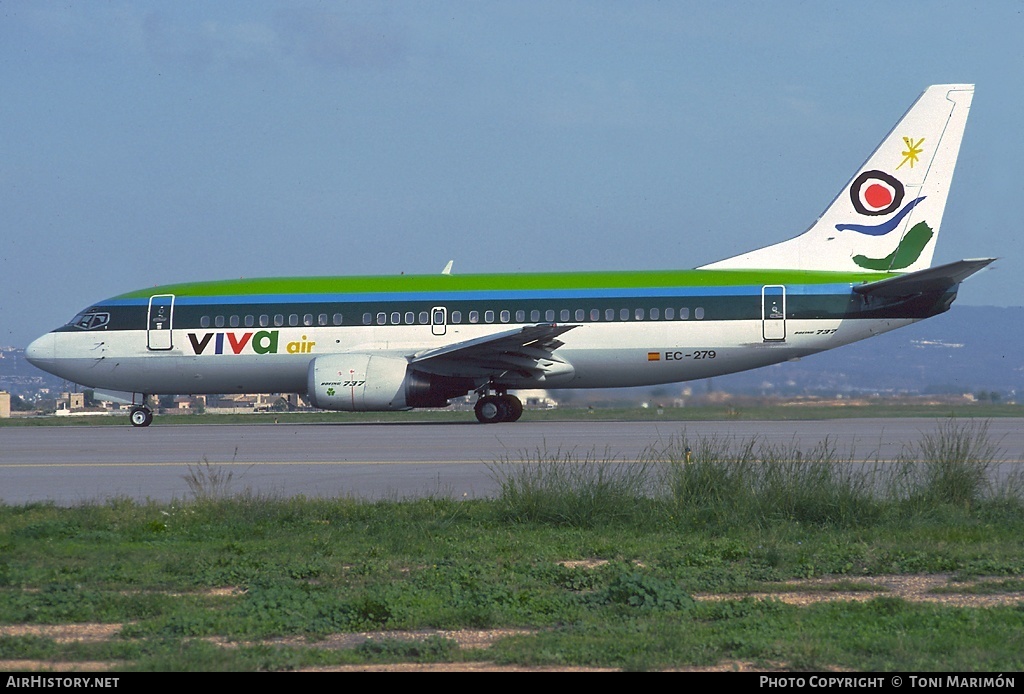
{"x": 887, "y": 218}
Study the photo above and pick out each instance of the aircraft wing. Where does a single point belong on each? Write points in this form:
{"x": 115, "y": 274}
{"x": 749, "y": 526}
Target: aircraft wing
{"x": 525, "y": 352}
{"x": 933, "y": 279}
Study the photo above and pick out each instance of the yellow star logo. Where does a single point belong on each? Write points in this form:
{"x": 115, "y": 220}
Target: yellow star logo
{"x": 910, "y": 154}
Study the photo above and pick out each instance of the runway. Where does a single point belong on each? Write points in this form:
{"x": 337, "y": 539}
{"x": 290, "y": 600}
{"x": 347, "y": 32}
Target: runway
{"x": 69, "y": 465}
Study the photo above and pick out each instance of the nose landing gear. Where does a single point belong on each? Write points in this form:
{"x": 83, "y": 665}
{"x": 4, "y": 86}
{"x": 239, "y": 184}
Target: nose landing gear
{"x": 141, "y": 416}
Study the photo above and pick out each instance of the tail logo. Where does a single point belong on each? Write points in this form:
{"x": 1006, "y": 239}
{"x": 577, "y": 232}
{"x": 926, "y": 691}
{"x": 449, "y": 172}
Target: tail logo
{"x": 876, "y": 193}
{"x": 913, "y": 149}
{"x": 906, "y": 254}
{"x": 883, "y": 228}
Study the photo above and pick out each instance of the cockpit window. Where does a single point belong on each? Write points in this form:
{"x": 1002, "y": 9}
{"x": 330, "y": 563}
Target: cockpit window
{"x": 90, "y": 320}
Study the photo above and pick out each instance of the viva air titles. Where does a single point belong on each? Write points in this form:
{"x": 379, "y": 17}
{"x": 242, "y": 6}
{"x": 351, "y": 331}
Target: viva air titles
{"x": 260, "y": 342}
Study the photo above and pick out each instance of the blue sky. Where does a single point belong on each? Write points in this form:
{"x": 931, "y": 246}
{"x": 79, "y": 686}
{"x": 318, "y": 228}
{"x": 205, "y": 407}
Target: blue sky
{"x": 151, "y": 142}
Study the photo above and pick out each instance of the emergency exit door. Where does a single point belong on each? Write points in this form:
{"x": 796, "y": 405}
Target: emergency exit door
{"x": 438, "y": 320}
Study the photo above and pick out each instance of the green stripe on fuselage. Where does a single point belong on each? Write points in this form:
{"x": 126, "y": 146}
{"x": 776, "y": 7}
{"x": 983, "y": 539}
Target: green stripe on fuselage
{"x": 530, "y": 281}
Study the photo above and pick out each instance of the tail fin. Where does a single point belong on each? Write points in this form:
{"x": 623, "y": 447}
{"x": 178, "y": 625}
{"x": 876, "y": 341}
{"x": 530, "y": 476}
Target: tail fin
{"x": 887, "y": 218}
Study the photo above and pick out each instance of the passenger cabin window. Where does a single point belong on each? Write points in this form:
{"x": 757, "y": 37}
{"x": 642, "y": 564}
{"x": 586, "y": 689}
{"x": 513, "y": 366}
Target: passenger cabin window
{"x": 624, "y": 314}
{"x": 233, "y": 321}
{"x": 474, "y": 316}
{"x": 520, "y": 316}
{"x": 264, "y": 320}
{"x": 609, "y": 314}
{"x": 367, "y": 319}
{"x": 204, "y": 322}
{"x": 549, "y": 315}
{"x": 535, "y": 315}
{"x": 455, "y": 316}
{"x": 250, "y": 320}
{"x": 564, "y": 315}
{"x": 684, "y": 314}
{"x": 505, "y": 316}
{"x": 218, "y": 321}
{"x": 698, "y": 313}
{"x": 307, "y": 319}
{"x": 278, "y": 319}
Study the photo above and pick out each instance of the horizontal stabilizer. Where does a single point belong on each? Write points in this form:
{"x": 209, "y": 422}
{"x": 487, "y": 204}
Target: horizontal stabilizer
{"x": 935, "y": 279}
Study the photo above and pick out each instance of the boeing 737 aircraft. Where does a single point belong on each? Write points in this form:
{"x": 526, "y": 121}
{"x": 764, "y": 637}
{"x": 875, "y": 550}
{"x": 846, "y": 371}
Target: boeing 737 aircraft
{"x": 396, "y": 343}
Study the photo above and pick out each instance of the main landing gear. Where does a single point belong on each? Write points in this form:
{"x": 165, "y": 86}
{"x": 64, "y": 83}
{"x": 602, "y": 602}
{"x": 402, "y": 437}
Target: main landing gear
{"x": 141, "y": 416}
{"x": 502, "y": 407}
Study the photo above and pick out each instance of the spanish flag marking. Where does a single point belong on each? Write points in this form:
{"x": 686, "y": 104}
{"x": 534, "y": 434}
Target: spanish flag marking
{"x": 654, "y": 356}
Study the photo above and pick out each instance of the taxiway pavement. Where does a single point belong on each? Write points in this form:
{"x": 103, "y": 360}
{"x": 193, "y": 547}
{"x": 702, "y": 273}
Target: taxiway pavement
{"x": 79, "y": 464}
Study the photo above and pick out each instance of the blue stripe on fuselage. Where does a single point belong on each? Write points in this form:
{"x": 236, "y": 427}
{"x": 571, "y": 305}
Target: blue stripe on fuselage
{"x": 489, "y": 295}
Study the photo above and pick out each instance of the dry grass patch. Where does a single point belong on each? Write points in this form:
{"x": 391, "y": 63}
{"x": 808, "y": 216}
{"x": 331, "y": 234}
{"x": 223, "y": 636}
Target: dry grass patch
{"x": 453, "y": 667}
{"x": 63, "y": 633}
{"x": 917, "y": 588}
{"x": 47, "y": 666}
{"x": 464, "y": 638}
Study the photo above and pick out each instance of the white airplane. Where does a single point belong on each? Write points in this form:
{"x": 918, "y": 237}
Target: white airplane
{"x": 396, "y": 343}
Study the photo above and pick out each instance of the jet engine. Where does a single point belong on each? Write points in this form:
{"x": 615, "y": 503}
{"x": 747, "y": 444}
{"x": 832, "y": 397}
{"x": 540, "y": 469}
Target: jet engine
{"x": 358, "y": 382}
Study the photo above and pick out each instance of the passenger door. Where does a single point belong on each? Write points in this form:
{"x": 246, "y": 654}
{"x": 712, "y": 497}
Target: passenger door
{"x": 159, "y": 321}
{"x": 773, "y": 313}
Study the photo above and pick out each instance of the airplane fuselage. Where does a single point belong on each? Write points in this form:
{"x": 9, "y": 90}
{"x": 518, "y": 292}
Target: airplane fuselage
{"x": 628, "y": 329}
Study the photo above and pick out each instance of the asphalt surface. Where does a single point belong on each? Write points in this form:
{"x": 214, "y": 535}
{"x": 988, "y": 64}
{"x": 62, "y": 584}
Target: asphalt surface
{"x": 79, "y": 464}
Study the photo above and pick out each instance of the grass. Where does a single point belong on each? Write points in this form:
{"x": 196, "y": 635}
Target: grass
{"x": 597, "y": 559}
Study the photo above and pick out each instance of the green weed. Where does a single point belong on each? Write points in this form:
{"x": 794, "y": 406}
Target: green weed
{"x": 564, "y": 488}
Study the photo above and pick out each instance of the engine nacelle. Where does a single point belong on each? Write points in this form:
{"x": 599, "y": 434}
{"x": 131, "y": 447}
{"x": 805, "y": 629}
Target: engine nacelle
{"x": 361, "y": 382}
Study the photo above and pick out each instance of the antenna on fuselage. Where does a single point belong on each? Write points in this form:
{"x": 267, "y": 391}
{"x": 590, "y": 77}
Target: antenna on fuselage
{"x": 448, "y": 268}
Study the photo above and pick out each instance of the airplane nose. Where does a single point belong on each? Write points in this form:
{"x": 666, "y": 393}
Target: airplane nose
{"x": 40, "y": 352}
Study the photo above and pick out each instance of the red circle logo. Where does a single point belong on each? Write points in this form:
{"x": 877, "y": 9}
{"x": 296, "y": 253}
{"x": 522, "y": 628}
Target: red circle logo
{"x": 876, "y": 193}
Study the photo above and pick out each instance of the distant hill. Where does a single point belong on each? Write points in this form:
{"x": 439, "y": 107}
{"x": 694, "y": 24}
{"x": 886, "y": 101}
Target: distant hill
{"x": 966, "y": 350}
{"x": 19, "y": 377}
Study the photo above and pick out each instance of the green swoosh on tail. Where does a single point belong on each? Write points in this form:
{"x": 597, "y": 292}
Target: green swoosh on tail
{"x": 908, "y": 251}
